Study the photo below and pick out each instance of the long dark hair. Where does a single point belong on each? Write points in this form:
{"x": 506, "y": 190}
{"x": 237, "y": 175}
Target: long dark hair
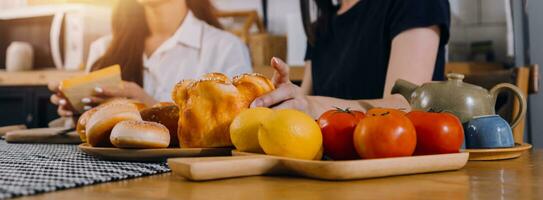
{"x": 129, "y": 30}
{"x": 325, "y": 11}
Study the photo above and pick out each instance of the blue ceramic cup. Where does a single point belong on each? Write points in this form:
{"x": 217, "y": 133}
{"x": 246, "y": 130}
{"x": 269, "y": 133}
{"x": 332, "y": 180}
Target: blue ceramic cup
{"x": 489, "y": 131}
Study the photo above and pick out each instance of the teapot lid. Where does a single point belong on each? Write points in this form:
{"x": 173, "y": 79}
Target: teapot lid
{"x": 455, "y": 82}
{"x": 455, "y": 76}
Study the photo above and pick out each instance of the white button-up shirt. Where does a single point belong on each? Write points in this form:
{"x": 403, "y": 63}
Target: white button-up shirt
{"x": 196, "y": 48}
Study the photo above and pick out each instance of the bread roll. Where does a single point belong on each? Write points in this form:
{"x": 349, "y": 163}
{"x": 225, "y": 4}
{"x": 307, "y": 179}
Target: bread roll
{"x": 139, "y": 105}
{"x": 82, "y": 123}
{"x": 99, "y": 125}
{"x": 163, "y": 104}
{"x": 166, "y": 114}
{"x": 140, "y": 135}
{"x": 84, "y": 118}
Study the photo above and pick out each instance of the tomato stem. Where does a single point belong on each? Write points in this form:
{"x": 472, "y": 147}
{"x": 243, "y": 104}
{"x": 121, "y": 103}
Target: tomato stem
{"x": 435, "y": 111}
{"x": 346, "y": 110}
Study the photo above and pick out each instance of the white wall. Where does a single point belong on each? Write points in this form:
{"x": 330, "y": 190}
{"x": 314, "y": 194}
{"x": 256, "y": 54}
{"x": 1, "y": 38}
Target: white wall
{"x": 7, "y": 4}
{"x": 536, "y": 47}
{"x": 478, "y": 20}
{"x": 278, "y": 10}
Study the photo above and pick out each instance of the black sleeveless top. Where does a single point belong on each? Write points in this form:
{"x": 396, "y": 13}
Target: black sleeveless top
{"x": 350, "y": 61}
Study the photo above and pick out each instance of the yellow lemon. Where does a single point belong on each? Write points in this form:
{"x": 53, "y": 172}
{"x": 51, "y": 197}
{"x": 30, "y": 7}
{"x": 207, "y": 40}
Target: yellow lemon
{"x": 319, "y": 154}
{"x": 290, "y": 133}
{"x": 244, "y": 129}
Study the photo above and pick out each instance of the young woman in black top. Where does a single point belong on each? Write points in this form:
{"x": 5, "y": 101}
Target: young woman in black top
{"x": 358, "y": 49}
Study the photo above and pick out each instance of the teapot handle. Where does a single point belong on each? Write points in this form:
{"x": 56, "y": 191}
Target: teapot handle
{"x": 516, "y": 91}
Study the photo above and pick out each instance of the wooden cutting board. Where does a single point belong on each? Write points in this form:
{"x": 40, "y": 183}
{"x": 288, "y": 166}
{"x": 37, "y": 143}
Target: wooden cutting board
{"x": 247, "y": 164}
{"x": 5, "y": 129}
{"x": 43, "y": 135}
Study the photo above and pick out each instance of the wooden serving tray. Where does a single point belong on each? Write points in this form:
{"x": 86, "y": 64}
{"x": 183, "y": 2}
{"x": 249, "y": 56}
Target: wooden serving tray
{"x": 43, "y": 136}
{"x": 5, "y": 129}
{"x": 498, "y": 154}
{"x": 150, "y": 155}
{"x": 247, "y": 164}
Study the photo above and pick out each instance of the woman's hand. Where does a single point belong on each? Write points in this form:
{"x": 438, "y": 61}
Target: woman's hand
{"x": 129, "y": 90}
{"x": 286, "y": 94}
{"x": 63, "y": 110}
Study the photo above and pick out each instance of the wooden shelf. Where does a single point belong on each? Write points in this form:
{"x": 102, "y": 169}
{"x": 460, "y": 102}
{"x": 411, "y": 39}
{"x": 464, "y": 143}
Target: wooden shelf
{"x": 35, "y": 77}
{"x": 43, "y": 77}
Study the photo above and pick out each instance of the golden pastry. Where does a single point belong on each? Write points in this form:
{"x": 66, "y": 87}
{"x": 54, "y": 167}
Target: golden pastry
{"x": 208, "y": 106}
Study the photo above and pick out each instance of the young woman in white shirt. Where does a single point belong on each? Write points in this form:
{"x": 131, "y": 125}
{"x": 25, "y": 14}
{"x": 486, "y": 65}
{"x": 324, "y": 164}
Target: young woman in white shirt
{"x": 158, "y": 43}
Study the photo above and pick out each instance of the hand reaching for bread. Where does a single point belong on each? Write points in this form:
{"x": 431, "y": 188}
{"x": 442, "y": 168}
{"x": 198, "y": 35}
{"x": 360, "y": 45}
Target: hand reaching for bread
{"x": 287, "y": 94}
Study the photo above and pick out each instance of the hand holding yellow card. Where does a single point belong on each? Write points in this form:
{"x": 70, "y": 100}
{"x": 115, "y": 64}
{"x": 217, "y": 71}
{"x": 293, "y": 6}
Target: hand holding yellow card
{"x": 77, "y": 88}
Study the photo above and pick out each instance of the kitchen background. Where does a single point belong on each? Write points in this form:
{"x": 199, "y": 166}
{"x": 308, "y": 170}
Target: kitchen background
{"x": 501, "y": 32}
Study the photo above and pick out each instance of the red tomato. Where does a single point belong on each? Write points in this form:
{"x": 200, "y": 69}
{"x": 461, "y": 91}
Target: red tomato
{"x": 385, "y": 133}
{"x": 337, "y": 128}
{"x": 437, "y": 133}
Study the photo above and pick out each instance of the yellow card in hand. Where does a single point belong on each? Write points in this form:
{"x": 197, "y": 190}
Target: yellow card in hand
{"x": 77, "y": 88}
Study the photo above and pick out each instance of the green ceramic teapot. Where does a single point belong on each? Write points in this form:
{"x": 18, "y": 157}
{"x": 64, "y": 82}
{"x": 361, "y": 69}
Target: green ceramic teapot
{"x": 461, "y": 99}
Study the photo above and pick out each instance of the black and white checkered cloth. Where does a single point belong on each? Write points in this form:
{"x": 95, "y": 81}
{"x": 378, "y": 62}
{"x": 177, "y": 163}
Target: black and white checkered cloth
{"x": 27, "y": 169}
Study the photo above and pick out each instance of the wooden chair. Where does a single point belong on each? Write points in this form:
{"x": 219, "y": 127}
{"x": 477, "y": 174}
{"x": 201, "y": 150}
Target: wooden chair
{"x": 262, "y": 45}
{"x": 472, "y": 67}
{"x": 249, "y": 18}
{"x": 527, "y": 79}
{"x": 488, "y": 75}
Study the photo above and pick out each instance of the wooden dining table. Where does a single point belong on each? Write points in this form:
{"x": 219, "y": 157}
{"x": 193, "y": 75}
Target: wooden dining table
{"x": 520, "y": 178}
